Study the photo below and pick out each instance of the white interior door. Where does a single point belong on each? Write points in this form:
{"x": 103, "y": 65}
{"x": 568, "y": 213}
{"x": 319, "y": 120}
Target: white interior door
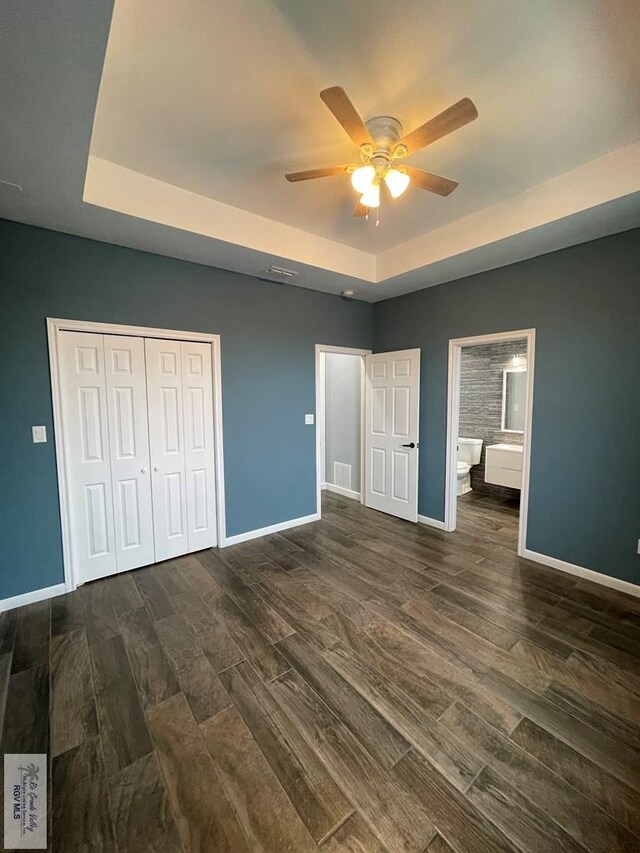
{"x": 129, "y": 443}
{"x": 197, "y": 394}
{"x": 391, "y": 432}
{"x": 87, "y": 456}
{"x": 166, "y": 443}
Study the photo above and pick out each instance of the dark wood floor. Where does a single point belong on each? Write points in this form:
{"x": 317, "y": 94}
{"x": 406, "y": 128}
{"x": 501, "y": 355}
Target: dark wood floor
{"x": 498, "y": 502}
{"x": 358, "y": 684}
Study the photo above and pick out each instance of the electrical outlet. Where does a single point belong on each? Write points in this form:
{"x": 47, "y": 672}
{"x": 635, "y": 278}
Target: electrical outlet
{"x": 38, "y": 434}
{"x": 308, "y": 419}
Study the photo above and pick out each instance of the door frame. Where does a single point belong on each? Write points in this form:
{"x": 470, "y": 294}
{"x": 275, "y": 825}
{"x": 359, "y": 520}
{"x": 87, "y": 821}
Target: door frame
{"x": 320, "y": 414}
{"x": 54, "y": 327}
{"x": 453, "y": 425}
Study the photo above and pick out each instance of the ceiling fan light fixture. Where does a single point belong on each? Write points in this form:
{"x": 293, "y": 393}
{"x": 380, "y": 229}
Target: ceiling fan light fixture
{"x": 371, "y": 198}
{"x": 362, "y": 179}
{"x": 396, "y": 182}
{"x": 380, "y": 142}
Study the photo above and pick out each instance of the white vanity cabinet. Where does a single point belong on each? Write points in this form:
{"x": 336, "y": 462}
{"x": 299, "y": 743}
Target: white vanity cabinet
{"x": 503, "y": 465}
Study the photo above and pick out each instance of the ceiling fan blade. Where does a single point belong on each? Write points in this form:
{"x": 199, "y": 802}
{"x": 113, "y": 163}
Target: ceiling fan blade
{"x": 338, "y": 102}
{"x": 360, "y": 209}
{"x": 446, "y": 122}
{"x": 316, "y": 173}
{"x": 428, "y": 181}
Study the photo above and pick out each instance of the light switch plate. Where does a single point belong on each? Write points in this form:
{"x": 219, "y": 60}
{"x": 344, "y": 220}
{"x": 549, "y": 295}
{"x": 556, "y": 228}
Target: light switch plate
{"x": 39, "y": 434}
{"x": 308, "y": 419}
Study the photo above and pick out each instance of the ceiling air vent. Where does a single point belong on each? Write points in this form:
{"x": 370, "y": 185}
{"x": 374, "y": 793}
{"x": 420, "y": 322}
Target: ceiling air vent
{"x": 281, "y": 272}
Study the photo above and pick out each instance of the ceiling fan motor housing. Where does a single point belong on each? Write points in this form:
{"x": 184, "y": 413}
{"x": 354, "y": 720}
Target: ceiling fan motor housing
{"x": 385, "y": 131}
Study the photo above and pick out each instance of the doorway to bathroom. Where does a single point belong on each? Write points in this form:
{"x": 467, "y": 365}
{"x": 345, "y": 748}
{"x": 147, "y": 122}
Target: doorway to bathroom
{"x": 490, "y": 398}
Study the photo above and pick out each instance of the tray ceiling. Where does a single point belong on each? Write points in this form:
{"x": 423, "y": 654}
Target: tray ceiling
{"x": 202, "y": 107}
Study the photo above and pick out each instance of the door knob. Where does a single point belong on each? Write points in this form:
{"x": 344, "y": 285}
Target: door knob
{"x": 156, "y": 467}
{"x": 412, "y": 444}
{"x": 143, "y": 470}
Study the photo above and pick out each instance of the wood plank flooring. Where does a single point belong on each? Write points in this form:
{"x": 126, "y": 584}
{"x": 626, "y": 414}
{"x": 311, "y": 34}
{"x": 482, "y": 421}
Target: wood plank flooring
{"x": 357, "y": 685}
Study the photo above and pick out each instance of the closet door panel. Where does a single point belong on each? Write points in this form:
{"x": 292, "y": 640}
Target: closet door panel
{"x": 198, "y": 438}
{"x": 87, "y": 454}
{"x": 166, "y": 442}
{"x": 129, "y": 441}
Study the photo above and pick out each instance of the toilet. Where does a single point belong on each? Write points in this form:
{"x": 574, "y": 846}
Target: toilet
{"x": 469, "y": 450}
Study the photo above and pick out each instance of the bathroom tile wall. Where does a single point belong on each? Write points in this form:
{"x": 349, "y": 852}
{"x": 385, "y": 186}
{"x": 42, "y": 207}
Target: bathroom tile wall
{"x": 481, "y": 403}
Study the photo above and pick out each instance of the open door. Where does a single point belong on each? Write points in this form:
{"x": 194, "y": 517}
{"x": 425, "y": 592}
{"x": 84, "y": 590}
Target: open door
{"x": 391, "y": 432}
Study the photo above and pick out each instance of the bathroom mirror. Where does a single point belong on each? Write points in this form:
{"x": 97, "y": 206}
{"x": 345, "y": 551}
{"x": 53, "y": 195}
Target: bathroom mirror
{"x": 514, "y": 397}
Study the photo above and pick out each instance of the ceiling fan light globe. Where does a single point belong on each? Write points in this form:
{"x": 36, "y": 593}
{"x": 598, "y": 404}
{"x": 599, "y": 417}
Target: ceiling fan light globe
{"x": 396, "y": 182}
{"x": 371, "y": 198}
{"x": 362, "y": 178}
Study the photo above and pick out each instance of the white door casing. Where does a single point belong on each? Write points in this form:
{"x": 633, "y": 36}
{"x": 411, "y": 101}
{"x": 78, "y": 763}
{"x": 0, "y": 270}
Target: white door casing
{"x": 197, "y": 400}
{"x": 129, "y": 443}
{"x": 86, "y": 447}
{"x": 392, "y": 408}
{"x": 166, "y": 444}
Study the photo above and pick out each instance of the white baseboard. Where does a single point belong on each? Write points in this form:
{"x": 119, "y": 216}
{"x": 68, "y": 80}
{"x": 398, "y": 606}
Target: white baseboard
{"x": 339, "y": 490}
{"x": 323, "y": 486}
{"x": 432, "y": 522}
{"x": 32, "y": 597}
{"x": 587, "y": 574}
{"x": 264, "y": 531}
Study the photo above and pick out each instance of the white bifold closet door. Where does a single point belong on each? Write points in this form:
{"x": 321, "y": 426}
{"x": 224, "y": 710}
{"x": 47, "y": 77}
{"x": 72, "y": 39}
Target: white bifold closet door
{"x": 181, "y": 440}
{"x": 166, "y": 439}
{"x": 138, "y": 439}
{"x": 197, "y": 404}
{"x": 129, "y": 447}
{"x": 88, "y": 460}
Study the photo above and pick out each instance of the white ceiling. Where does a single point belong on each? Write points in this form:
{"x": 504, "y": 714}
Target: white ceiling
{"x": 198, "y": 107}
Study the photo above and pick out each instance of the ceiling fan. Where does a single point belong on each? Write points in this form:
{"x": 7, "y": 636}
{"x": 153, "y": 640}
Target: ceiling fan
{"x": 381, "y": 144}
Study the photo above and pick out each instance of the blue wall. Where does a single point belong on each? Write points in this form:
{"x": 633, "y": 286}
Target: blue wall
{"x": 584, "y": 303}
{"x": 268, "y": 336}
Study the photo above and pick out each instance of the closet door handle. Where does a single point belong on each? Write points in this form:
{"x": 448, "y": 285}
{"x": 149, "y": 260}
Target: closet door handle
{"x": 156, "y": 467}
{"x": 143, "y": 470}
{"x": 412, "y": 445}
